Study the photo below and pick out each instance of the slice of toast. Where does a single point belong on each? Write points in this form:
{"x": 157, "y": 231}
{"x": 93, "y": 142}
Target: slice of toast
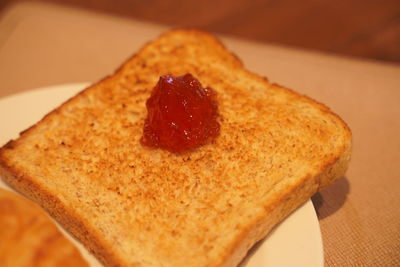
{"x": 28, "y": 237}
{"x": 135, "y": 206}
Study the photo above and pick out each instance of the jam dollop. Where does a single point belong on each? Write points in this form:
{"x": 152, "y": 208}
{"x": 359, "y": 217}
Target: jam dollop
{"x": 181, "y": 114}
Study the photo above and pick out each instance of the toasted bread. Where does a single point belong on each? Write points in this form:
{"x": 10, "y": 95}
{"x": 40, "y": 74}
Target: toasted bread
{"x": 29, "y": 237}
{"x": 135, "y": 206}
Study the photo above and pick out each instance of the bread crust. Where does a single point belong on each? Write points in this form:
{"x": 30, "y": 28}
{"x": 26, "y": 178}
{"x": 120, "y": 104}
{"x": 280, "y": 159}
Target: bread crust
{"x": 63, "y": 214}
{"x": 274, "y": 210}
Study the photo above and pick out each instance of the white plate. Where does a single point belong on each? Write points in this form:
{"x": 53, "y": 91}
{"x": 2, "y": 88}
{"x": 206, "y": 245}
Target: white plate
{"x": 295, "y": 242}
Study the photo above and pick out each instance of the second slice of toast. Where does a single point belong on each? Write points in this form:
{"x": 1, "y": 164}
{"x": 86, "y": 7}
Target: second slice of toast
{"x": 28, "y": 237}
{"x": 135, "y": 206}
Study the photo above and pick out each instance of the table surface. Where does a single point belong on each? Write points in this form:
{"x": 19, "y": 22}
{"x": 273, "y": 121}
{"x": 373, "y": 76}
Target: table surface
{"x": 358, "y": 28}
{"x": 42, "y": 45}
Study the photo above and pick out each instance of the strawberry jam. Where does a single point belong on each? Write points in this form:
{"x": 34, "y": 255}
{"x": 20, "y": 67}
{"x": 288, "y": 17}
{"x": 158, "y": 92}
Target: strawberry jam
{"x": 181, "y": 114}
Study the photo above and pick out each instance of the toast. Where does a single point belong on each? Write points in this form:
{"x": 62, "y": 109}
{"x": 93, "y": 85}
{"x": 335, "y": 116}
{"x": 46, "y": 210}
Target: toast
{"x": 29, "y": 237}
{"x": 135, "y": 206}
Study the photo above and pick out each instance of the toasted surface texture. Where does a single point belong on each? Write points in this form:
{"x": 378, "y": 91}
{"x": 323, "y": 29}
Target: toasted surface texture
{"x": 29, "y": 237}
{"x": 134, "y": 206}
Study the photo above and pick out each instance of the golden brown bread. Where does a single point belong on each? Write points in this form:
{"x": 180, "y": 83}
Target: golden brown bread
{"x": 29, "y": 237}
{"x": 134, "y": 206}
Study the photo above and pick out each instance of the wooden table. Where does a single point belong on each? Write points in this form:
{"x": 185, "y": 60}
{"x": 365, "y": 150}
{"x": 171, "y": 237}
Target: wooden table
{"x": 359, "y": 216}
{"x": 359, "y": 28}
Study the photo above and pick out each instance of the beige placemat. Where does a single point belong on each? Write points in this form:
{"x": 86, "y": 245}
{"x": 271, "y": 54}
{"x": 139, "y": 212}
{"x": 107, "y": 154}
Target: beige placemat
{"x": 359, "y": 216}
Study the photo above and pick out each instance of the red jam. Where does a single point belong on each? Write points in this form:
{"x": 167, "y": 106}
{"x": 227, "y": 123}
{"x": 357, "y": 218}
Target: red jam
{"x": 181, "y": 114}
